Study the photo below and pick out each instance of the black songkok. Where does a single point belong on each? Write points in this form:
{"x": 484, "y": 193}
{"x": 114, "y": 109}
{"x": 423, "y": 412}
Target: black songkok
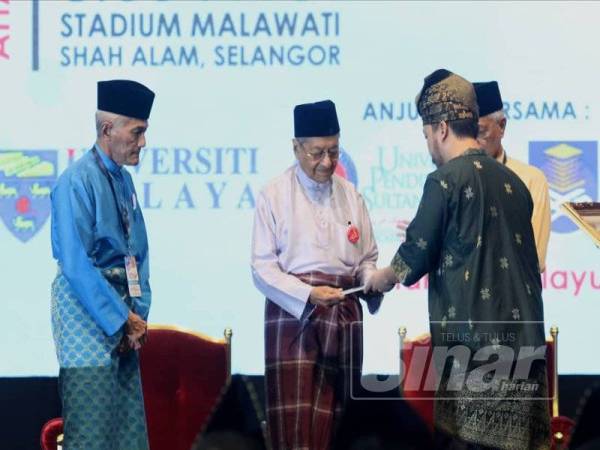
{"x": 316, "y": 120}
{"x": 126, "y": 98}
{"x": 488, "y": 97}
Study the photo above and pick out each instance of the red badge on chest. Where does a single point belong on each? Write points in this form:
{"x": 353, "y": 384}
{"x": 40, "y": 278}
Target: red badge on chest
{"x": 352, "y": 233}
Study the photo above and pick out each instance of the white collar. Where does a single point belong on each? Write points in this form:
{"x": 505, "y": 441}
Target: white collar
{"x": 316, "y": 191}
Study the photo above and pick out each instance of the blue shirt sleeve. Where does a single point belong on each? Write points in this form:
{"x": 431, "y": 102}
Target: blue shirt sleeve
{"x": 73, "y": 222}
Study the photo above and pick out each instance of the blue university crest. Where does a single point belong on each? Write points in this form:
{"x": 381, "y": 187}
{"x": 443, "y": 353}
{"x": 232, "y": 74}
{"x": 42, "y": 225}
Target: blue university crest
{"x": 571, "y": 168}
{"x": 26, "y": 180}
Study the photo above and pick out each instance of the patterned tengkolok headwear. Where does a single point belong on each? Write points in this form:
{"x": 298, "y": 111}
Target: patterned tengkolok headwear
{"x": 446, "y": 96}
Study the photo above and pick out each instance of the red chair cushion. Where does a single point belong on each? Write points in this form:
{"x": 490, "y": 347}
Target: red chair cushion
{"x": 50, "y": 432}
{"x": 565, "y": 426}
{"x": 182, "y": 377}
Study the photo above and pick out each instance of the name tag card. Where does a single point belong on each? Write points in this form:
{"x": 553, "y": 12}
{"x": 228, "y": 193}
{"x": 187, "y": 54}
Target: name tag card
{"x": 133, "y": 279}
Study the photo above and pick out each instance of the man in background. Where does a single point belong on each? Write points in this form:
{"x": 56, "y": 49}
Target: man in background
{"x": 492, "y": 125}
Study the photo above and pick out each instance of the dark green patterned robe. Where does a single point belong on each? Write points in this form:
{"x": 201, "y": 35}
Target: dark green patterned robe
{"x": 472, "y": 234}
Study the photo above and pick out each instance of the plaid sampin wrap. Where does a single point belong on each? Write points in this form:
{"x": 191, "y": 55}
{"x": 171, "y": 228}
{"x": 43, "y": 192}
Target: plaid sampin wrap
{"x": 446, "y": 96}
{"x": 309, "y": 366}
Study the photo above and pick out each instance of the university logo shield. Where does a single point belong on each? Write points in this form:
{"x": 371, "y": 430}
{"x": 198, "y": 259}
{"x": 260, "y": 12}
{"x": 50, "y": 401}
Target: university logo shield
{"x": 571, "y": 168}
{"x": 345, "y": 168}
{"x": 26, "y": 180}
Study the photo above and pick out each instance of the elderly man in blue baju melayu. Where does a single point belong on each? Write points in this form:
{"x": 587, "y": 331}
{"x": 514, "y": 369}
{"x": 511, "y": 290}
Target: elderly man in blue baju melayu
{"x": 101, "y": 294}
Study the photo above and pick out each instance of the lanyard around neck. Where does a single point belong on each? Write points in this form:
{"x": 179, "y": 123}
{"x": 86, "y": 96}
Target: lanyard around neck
{"x": 122, "y": 209}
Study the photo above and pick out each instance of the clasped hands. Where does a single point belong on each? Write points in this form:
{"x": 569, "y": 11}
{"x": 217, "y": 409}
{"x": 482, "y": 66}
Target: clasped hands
{"x": 135, "y": 333}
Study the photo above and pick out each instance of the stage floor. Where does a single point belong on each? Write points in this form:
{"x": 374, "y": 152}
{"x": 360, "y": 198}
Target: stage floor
{"x": 27, "y": 403}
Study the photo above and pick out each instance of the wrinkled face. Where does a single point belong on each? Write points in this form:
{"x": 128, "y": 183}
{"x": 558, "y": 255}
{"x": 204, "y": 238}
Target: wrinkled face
{"x": 318, "y": 156}
{"x": 125, "y": 140}
{"x": 432, "y": 136}
{"x": 491, "y": 132}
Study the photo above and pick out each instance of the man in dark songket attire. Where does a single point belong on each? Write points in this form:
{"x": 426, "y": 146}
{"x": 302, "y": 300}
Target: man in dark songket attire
{"x": 312, "y": 238}
{"x": 472, "y": 234}
{"x": 101, "y": 294}
{"x": 492, "y": 125}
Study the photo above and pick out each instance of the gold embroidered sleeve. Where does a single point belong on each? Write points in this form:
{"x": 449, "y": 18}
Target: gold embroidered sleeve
{"x": 400, "y": 268}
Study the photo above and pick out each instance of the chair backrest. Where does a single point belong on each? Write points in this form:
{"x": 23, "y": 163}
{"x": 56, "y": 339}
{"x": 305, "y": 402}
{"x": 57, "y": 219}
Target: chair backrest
{"x": 552, "y": 369}
{"x": 415, "y": 364}
{"x": 50, "y": 433}
{"x": 416, "y": 367}
{"x": 183, "y": 373}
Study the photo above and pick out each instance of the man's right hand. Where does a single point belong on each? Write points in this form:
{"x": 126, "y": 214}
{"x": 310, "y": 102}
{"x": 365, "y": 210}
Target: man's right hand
{"x": 381, "y": 280}
{"x": 136, "y": 326}
{"x": 325, "y": 296}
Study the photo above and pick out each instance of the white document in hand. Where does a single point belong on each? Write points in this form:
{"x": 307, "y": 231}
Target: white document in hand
{"x": 353, "y": 290}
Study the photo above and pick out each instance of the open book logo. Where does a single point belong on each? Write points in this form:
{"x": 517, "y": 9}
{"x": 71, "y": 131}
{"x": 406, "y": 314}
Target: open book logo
{"x": 571, "y": 168}
{"x": 26, "y": 180}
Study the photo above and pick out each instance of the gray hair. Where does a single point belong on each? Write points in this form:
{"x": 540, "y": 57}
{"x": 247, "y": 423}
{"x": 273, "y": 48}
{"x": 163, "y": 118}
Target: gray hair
{"x": 497, "y": 116}
{"x": 104, "y": 116}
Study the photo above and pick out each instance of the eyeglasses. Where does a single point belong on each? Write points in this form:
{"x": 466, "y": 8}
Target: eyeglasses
{"x": 317, "y": 156}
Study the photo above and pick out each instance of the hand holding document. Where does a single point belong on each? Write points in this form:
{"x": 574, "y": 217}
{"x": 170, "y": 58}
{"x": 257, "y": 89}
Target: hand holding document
{"x": 353, "y": 290}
